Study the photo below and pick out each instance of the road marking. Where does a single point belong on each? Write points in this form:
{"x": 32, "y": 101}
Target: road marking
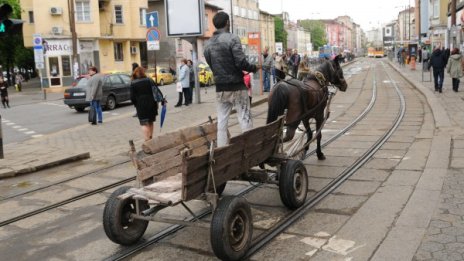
{"x": 115, "y": 114}
{"x": 37, "y": 136}
{"x": 17, "y": 127}
{"x": 20, "y": 128}
{"x": 30, "y": 132}
{"x": 5, "y": 121}
{"x": 10, "y": 123}
{"x": 23, "y": 129}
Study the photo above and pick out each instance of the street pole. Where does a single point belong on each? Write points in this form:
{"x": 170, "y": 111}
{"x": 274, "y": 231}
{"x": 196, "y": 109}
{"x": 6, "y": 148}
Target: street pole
{"x": 1, "y": 139}
{"x": 193, "y": 41}
{"x": 72, "y": 24}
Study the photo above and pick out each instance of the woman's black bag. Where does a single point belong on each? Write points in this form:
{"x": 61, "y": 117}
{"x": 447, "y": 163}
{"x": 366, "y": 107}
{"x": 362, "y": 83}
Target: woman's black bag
{"x": 157, "y": 94}
{"x": 92, "y": 115}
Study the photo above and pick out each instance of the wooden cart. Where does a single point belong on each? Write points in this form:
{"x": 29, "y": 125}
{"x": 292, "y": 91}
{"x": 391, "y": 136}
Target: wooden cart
{"x": 185, "y": 165}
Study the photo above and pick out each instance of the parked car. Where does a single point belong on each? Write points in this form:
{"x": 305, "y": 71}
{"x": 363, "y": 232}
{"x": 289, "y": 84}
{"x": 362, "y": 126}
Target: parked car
{"x": 162, "y": 76}
{"x": 116, "y": 89}
{"x": 205, "y": 75}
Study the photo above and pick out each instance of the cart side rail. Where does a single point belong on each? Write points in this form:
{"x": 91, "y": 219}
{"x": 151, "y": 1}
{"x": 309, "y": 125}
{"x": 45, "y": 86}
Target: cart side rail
{"x": 244, "y": 151}
{"x": 165, "y": 159}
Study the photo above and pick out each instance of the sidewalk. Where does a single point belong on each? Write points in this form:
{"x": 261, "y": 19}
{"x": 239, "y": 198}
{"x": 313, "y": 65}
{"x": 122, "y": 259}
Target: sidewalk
{"x": 431, "y": 224}
{"x": 107, "y": 142}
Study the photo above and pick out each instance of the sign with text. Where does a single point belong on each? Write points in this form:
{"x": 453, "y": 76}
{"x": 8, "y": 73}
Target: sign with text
{"x": 279, "y": 47}
{"x": 153, "y": 37}
{"x": 38, "y": 51}
{"x": 254, "y": 48}
{"x": 54, "y": 47}
{"x": 184, "y": 18}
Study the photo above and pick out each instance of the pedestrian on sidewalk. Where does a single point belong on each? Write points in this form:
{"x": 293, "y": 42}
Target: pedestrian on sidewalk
{"x": 273, "y": 70}
{"x": 19, "y": 81}
{"x": 134, "y": 66}
{"x": 94, "y": 92}
{"x": 4, "y": 93}
{"x": 141, "y": 94}
{"x": 224, "y": 54}
{"x": 437, "y": 62}
{"x": 267, "y": 65}
{"x": 454, "y": 68}
{"x": 403, "y": 58}
{"x": 192, "y": 80}
{"x": 294, "y": 62}
{"x": 184, "y": 80}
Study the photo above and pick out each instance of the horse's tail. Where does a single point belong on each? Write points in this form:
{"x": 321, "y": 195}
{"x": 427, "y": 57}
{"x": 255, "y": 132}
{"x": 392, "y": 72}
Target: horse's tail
{"x": 278, "y": 102}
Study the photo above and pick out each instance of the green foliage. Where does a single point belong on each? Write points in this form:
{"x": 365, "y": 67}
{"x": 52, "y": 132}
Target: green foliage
{"x": 16, "y": 7}
{"x": 317, "y": 30}
{"x": 280, "y": 33}
{"x": 12, "y": 50}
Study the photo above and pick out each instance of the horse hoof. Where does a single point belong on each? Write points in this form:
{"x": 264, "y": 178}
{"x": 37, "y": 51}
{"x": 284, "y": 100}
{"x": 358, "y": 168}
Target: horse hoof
{"x": 321, "y": 157}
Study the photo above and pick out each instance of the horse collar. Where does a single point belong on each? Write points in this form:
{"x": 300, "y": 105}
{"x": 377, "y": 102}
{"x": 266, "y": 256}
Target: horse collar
{"x": 320, "y": 78}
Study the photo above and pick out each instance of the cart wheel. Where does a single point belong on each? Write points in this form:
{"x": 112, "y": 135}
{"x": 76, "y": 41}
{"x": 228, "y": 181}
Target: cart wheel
{"x": 116, "y": 219}
{"x": 293, "y": 184}
{"x": 231, "y": 228}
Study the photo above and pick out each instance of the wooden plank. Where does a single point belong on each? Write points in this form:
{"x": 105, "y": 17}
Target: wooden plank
{"x": 156, "y": 164}
{"x": 171, "y": 198}
{"x": 170, "y": 184}
{"x": 178, "y": 137}
{"x": 222, "y": 175}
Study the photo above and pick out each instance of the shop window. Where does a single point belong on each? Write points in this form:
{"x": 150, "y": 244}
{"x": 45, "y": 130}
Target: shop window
{"x": 118, "y": 14}
{"x": 83, "y": 10}
{"x": 118, "y": 52}
{"x": 66, "y": 64}
{"x": 54, "y": 67}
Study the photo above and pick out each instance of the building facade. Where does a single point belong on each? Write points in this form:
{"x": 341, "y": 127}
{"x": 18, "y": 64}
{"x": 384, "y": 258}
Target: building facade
{"x": 109, "y": 35}
{"x": 267, "y": 26}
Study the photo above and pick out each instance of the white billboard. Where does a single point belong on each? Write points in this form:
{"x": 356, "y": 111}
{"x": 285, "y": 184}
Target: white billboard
{"x": 184, "y": 18}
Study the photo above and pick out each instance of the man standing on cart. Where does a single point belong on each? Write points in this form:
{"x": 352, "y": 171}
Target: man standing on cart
{"x": 225, "y": 56}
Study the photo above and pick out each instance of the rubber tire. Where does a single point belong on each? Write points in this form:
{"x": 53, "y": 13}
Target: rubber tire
{"x": 79, "y": 109}
{"x": 113, "y": 219}
{"x": 161, "y": 82}
{"x": 110, "y": 103}
{"x": 293, "y": 184}
{"x": 231, "y": 210}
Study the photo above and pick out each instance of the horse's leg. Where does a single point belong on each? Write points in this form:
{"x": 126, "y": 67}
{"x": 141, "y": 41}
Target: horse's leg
{"x": 309, "y": 133}
{"x": 319, "y": 153}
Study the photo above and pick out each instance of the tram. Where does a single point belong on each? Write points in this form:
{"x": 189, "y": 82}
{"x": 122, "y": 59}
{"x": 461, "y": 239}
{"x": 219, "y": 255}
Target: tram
{"x": 328, "y": 51}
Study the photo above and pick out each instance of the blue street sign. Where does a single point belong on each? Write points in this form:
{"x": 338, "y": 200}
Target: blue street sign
{"x": 153, "y": 34}
{"x": 151, "y": 19}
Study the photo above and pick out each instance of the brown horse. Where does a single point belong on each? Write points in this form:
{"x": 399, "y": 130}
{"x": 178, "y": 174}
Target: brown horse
{"x": 305, "y": 100}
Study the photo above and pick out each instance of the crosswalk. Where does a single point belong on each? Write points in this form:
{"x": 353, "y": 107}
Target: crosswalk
{"x": 21, "y": 129}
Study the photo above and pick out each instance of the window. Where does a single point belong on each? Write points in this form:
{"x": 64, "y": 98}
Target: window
{"x": 236, "y": 10}
{"x": 115, "y": 80}
{"x": 66, "y": 64}
{"x": 125, "y": 78}
{"x": 243, "y": 12}
{"x": 82, "y": 10}
{"x": 143, "y": 14}
{"x": 435, "y": 8}
{"x": 118, "y": 14}
{"x": 118, "y": 52}
{"x": 31, "y": 17}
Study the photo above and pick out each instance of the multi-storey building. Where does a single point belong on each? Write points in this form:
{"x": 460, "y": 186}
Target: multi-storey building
{"x": 406, "y": 26}
{"x": 109, "y": 35}
{"x": 267, "y": 31}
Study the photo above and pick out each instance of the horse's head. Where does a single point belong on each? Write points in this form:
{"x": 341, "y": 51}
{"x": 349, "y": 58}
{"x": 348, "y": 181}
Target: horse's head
{"x": 334, "y": 73}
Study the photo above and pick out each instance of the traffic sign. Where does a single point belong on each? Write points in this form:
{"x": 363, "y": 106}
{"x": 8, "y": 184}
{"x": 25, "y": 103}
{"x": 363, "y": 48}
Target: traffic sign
{"x": 153, "y": 45}
{"x": 153, "y": 34}
{"x": 151, "y": 19}
{"x": 37, "y": 39}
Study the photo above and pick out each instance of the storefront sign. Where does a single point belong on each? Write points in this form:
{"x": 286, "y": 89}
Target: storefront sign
{"x": 58, "y": 47}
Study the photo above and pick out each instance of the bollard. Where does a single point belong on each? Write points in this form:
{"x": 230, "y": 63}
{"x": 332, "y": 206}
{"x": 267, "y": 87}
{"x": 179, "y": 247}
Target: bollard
{"x": 45, "y": 94}
{"x": 1, "y": 139}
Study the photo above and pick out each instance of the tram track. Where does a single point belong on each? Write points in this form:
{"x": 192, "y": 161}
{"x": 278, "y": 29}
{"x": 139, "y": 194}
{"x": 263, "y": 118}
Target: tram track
{"x": 286, "y": 222}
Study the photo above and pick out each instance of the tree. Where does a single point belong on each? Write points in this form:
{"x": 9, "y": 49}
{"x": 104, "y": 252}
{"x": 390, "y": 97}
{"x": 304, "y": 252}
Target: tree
{"x": 12, "y": 50}
{"x": 280, "y": 33}
{"x": 317, "y": 31}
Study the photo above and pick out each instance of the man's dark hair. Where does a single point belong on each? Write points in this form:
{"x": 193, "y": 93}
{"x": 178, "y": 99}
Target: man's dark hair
{"x": 93, "y": 68}
{"x": 220, "y": 20}
{"x": 134, "y": 65}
